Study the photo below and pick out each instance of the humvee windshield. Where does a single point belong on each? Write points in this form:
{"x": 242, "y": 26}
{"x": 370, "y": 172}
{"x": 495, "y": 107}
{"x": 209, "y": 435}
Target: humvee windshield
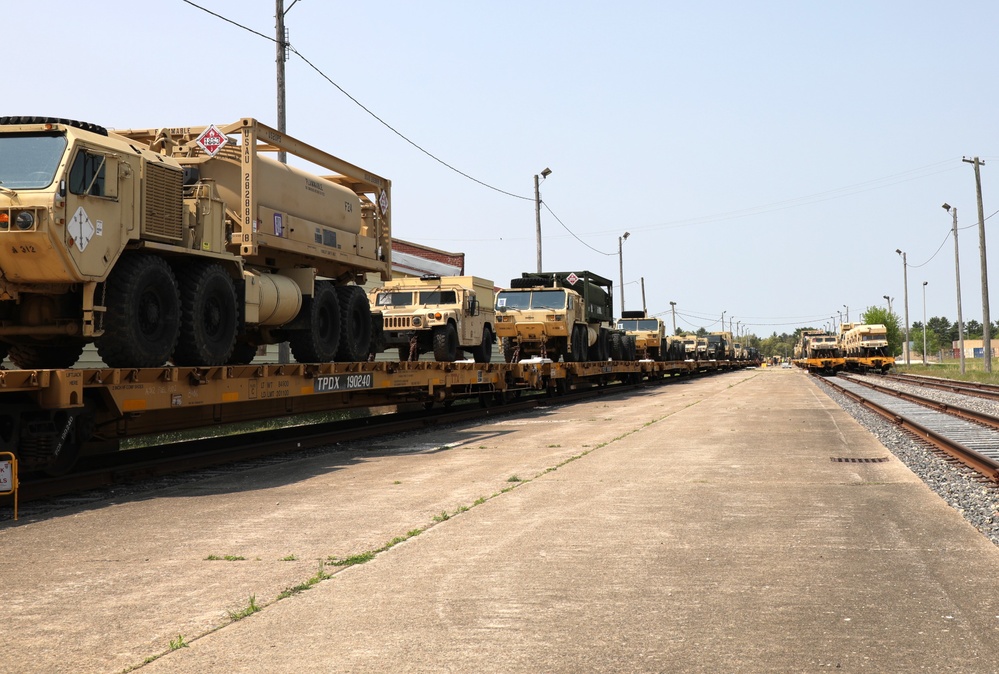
{"x": 530, "y": 299}
{"x": 424, "y": 297}
{"x": 29, "y": 160}
{"x": 639, "y": 324}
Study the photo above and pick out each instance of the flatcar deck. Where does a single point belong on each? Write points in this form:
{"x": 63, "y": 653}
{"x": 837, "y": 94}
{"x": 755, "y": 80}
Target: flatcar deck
{"x": 49, "y": 416}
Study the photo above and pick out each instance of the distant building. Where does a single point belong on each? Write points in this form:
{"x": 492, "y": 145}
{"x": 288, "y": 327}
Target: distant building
{"x": 973, "y": 348}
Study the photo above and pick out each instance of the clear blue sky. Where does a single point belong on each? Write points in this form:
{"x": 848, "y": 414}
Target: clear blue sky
{"x": 767, "y": 157}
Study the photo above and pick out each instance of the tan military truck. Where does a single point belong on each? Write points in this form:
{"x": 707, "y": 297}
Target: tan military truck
{"x": 442, "y": 314}
{"x": 689, "y": 346}
{"x": 182, "y": 244}
{"x": 557, "y": 315}
{"x": 649, "y": 334}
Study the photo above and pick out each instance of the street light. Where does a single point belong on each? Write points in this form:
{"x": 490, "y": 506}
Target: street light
{"x": 672, "y": 306}
{"x": 905, "y": 283}
{"x": 620, "y": 263}
{"x": 889, "y": 302}
{"x": 537, "y": 208}
{"x": 924, "y": 321}
{"x": 847, "y": 313}
{"x": 957, "y": 266}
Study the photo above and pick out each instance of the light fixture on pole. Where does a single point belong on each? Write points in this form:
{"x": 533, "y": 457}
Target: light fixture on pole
{"x": 905, "y": 283}
{"x": 620, "y": 263}
{"x": 889, "y": 302}
{"x": 672, "y": 306}
{"x": 537, "y": 208}
{"x": 924, "y": 321}
{"x": 957, "y": 267}
{"x": 847, "y": 313}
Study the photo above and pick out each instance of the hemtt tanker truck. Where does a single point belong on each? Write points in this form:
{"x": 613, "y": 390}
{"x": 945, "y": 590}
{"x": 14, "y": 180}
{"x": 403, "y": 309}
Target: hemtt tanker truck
{"x": 182, "y": 244}
{"x": 560, "y": 314}
{"x": 442, "y": 314}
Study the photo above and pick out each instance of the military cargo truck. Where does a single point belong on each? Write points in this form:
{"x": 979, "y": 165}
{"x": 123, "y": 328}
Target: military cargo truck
{"x": 649, "y": 334}
{"x": 182, "y": 244}
{"x": 442, "y": 314}
{"x": 556, "y": 314}
{"x": 721, "y": 346}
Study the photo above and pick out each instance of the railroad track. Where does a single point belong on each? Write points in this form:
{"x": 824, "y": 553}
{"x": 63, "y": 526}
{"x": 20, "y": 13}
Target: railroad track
{"x": 990, "y": 391}
{"x": 969, "y": 436}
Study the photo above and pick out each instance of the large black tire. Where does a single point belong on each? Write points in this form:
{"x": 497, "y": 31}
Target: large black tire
{"x": 35, "y": 357}
{"x": 445, "y": 343}
{"x": 355, "y": 325}
{"x": 601, "y": 349}
{"x": 579, "y": 346}
{"x": 484, "y": 353}
{"x": 3, "y": 350}
{"x": 318, "y": 343}
{"x": 243, "y": 353}
{"x": 208, "y": 316}
{"x": 142, "y": 321}
{"x": 617, "y": 347}
{"x": 508, "y": 349}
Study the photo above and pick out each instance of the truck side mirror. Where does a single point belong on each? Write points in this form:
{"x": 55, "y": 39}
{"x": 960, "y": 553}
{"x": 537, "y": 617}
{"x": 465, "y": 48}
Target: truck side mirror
{"x": 473, "y": 306}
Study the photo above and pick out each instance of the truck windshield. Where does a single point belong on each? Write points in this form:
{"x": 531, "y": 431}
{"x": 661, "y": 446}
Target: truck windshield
{"x": 401, "y": 299}
{"x": 531, "y": 299}
{"x": 639, "y": 324}
{"x": 438, "y": 297}
{"x": 548, "y": 299}
{"x": 29, "y": 161}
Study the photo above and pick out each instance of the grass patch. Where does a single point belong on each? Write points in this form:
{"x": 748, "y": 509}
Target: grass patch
{"x": 353, "y": 560}
{"x": 251, "y": 608}
{"x": 443, "y": 517}
{"x": 513, "y": 478}
{"x": 320, "y": 576}
{"x": 289, "y": 558}
{"x": 178, "y": 643}
{"x": 226, "y": 558}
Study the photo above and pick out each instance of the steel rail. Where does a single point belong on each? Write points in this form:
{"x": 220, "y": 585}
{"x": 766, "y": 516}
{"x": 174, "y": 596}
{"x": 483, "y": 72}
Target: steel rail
{"x": 983, "y": 464}
{"x": 981, "y": 390}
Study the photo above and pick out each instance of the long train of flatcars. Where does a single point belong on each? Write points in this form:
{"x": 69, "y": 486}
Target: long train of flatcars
{"x": 857, "y": 347}
{"x": 180, "y": 252}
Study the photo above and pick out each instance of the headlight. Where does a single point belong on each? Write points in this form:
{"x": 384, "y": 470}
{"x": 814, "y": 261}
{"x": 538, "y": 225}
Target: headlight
{"x": 25, "y": 220}
{"x": 417, "y": 321}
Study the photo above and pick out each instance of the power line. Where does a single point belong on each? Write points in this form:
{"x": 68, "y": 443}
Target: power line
{"x": 361, "y": 105}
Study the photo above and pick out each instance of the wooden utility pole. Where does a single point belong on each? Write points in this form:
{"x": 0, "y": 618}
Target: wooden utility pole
{"x": 986, "y": 320}
{"x": 284, "y": 350}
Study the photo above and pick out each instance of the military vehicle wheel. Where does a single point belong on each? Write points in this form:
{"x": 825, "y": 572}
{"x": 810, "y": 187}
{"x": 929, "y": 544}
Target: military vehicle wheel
{"x": 243, "y": 353}
{"x": 208, "y": 316}
{"x": 579, "y": 347}
{"x": 355, "y": 325}
{"x": 318, "y": 343}
{"x": 445, "y": 343}
{"x": 484, "y": 353}
{"x": 35, "y": 357}
{"x": 617, "y": 347}
{"x": 600, "y": 350}
{"x": 508, "y": 349}
{"x": 142, "y": 322}
{"x": 3, "y": 351}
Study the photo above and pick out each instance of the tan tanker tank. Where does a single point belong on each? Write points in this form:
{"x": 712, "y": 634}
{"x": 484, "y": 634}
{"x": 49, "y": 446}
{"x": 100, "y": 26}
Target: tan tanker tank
{"x": 182, "y": 244}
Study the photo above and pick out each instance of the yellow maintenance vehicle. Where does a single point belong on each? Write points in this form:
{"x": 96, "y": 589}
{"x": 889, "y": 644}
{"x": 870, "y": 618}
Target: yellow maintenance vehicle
{"x": 442, "y": 314}
{"x": 183, "y": 244}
